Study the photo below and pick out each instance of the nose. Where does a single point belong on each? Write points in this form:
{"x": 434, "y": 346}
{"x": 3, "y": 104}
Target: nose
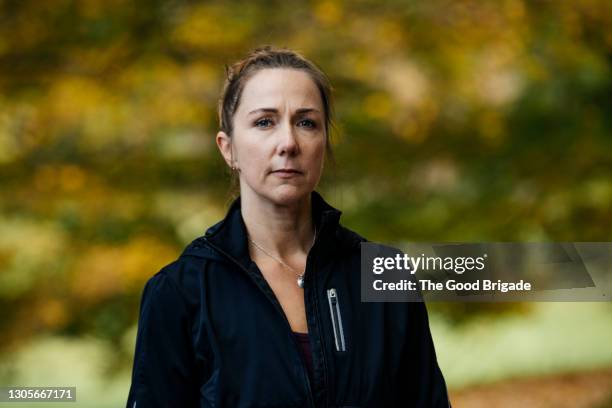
{"x": 288, "y": 143}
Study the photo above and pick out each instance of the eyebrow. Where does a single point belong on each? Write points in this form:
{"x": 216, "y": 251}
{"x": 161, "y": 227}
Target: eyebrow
{"x": 274, "y": 110}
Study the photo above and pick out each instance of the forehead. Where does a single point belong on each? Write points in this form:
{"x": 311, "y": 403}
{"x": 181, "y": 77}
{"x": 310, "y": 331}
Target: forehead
{"x": 274, "y": 87}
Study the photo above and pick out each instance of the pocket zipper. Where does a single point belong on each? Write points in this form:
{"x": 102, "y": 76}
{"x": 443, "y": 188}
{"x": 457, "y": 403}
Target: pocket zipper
{"x": 336, "y": 318}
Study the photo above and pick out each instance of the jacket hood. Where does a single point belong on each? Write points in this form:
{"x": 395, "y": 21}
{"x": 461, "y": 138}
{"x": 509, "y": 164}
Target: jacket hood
{"x": 229, "y": 235}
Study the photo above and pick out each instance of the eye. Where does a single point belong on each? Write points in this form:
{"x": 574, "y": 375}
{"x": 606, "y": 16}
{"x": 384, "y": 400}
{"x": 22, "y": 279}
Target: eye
{"x": 307, "y": 123}
{"x": 263, "y": 123}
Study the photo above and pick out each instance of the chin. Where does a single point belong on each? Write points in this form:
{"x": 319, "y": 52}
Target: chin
{"x": 288, "y": 195}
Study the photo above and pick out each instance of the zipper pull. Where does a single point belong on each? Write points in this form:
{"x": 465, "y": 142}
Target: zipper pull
{"x": 336, "y": 318}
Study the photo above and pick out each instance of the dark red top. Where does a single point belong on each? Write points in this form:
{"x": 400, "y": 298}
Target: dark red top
{"x": 304, "y": 347}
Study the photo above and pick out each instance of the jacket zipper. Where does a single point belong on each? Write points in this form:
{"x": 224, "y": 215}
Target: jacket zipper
{"x": 304, "y": 368}
{"x": 336, "y": 318}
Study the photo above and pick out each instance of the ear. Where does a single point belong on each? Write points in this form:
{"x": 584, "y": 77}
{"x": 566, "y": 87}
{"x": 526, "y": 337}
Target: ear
{"x": 224, "y": 143}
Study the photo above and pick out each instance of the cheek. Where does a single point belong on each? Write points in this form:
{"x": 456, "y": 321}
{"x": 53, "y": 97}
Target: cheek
{"x": 316, "y": 158}
{"x": 247, "y": 152}
{"x": 253, "y": 161}
{"x": 318, "y": 151}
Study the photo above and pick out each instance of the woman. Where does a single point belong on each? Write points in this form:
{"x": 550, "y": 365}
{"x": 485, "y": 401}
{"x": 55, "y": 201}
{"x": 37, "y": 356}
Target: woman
{"x": 264, "y": 310}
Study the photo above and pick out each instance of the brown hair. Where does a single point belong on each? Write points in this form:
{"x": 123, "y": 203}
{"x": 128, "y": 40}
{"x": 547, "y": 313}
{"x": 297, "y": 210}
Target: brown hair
{"x": 268, "y": 57}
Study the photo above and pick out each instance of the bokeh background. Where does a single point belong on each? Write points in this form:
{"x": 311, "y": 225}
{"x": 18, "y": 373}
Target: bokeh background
{"x": 460, "y": 120}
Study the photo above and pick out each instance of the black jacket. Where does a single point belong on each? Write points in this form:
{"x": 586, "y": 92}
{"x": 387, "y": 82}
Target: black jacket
{"x": 211, "y": 332}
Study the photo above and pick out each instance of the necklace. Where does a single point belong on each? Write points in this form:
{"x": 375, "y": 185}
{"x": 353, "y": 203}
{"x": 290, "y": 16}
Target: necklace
{"x": 300, "y": 276}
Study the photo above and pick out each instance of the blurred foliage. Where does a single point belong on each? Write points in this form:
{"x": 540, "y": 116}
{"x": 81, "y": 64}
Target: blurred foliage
{"x": 457, "y": 120}
{"x": 555, "y": 337}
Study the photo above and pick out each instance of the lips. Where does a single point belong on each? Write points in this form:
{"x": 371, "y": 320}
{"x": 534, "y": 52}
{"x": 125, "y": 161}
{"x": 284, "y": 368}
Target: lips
{"x": 286, "y": 172}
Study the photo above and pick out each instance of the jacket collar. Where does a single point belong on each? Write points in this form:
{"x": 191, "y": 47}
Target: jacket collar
{"x": 230, "y": 237}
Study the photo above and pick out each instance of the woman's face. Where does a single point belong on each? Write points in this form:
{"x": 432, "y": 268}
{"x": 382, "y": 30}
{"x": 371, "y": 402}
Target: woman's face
{"x": 279, "y": 139}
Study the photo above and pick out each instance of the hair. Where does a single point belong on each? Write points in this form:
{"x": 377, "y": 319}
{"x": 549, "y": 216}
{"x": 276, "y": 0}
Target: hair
{"x": 268, "y": 57}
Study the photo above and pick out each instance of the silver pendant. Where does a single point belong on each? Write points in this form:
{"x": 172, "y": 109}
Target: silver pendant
{"x": 300, "y": 281}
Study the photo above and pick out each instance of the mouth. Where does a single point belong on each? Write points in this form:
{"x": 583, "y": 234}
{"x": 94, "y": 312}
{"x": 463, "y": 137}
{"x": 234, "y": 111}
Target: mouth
{"x": 286, "y": 172}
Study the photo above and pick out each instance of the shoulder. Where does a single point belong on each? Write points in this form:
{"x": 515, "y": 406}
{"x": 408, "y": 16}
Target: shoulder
{"x": 179, "y": 280}
{"x": 169, "y": 286}
{"x": 348, "y": 239}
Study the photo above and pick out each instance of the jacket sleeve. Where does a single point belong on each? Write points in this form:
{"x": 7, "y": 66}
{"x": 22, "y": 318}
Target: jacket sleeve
{"x": 423, "y": 379}
{"x": 164, "y": 373}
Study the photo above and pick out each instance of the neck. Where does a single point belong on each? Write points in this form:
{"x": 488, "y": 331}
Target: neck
{"x": 283, "y": 229}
